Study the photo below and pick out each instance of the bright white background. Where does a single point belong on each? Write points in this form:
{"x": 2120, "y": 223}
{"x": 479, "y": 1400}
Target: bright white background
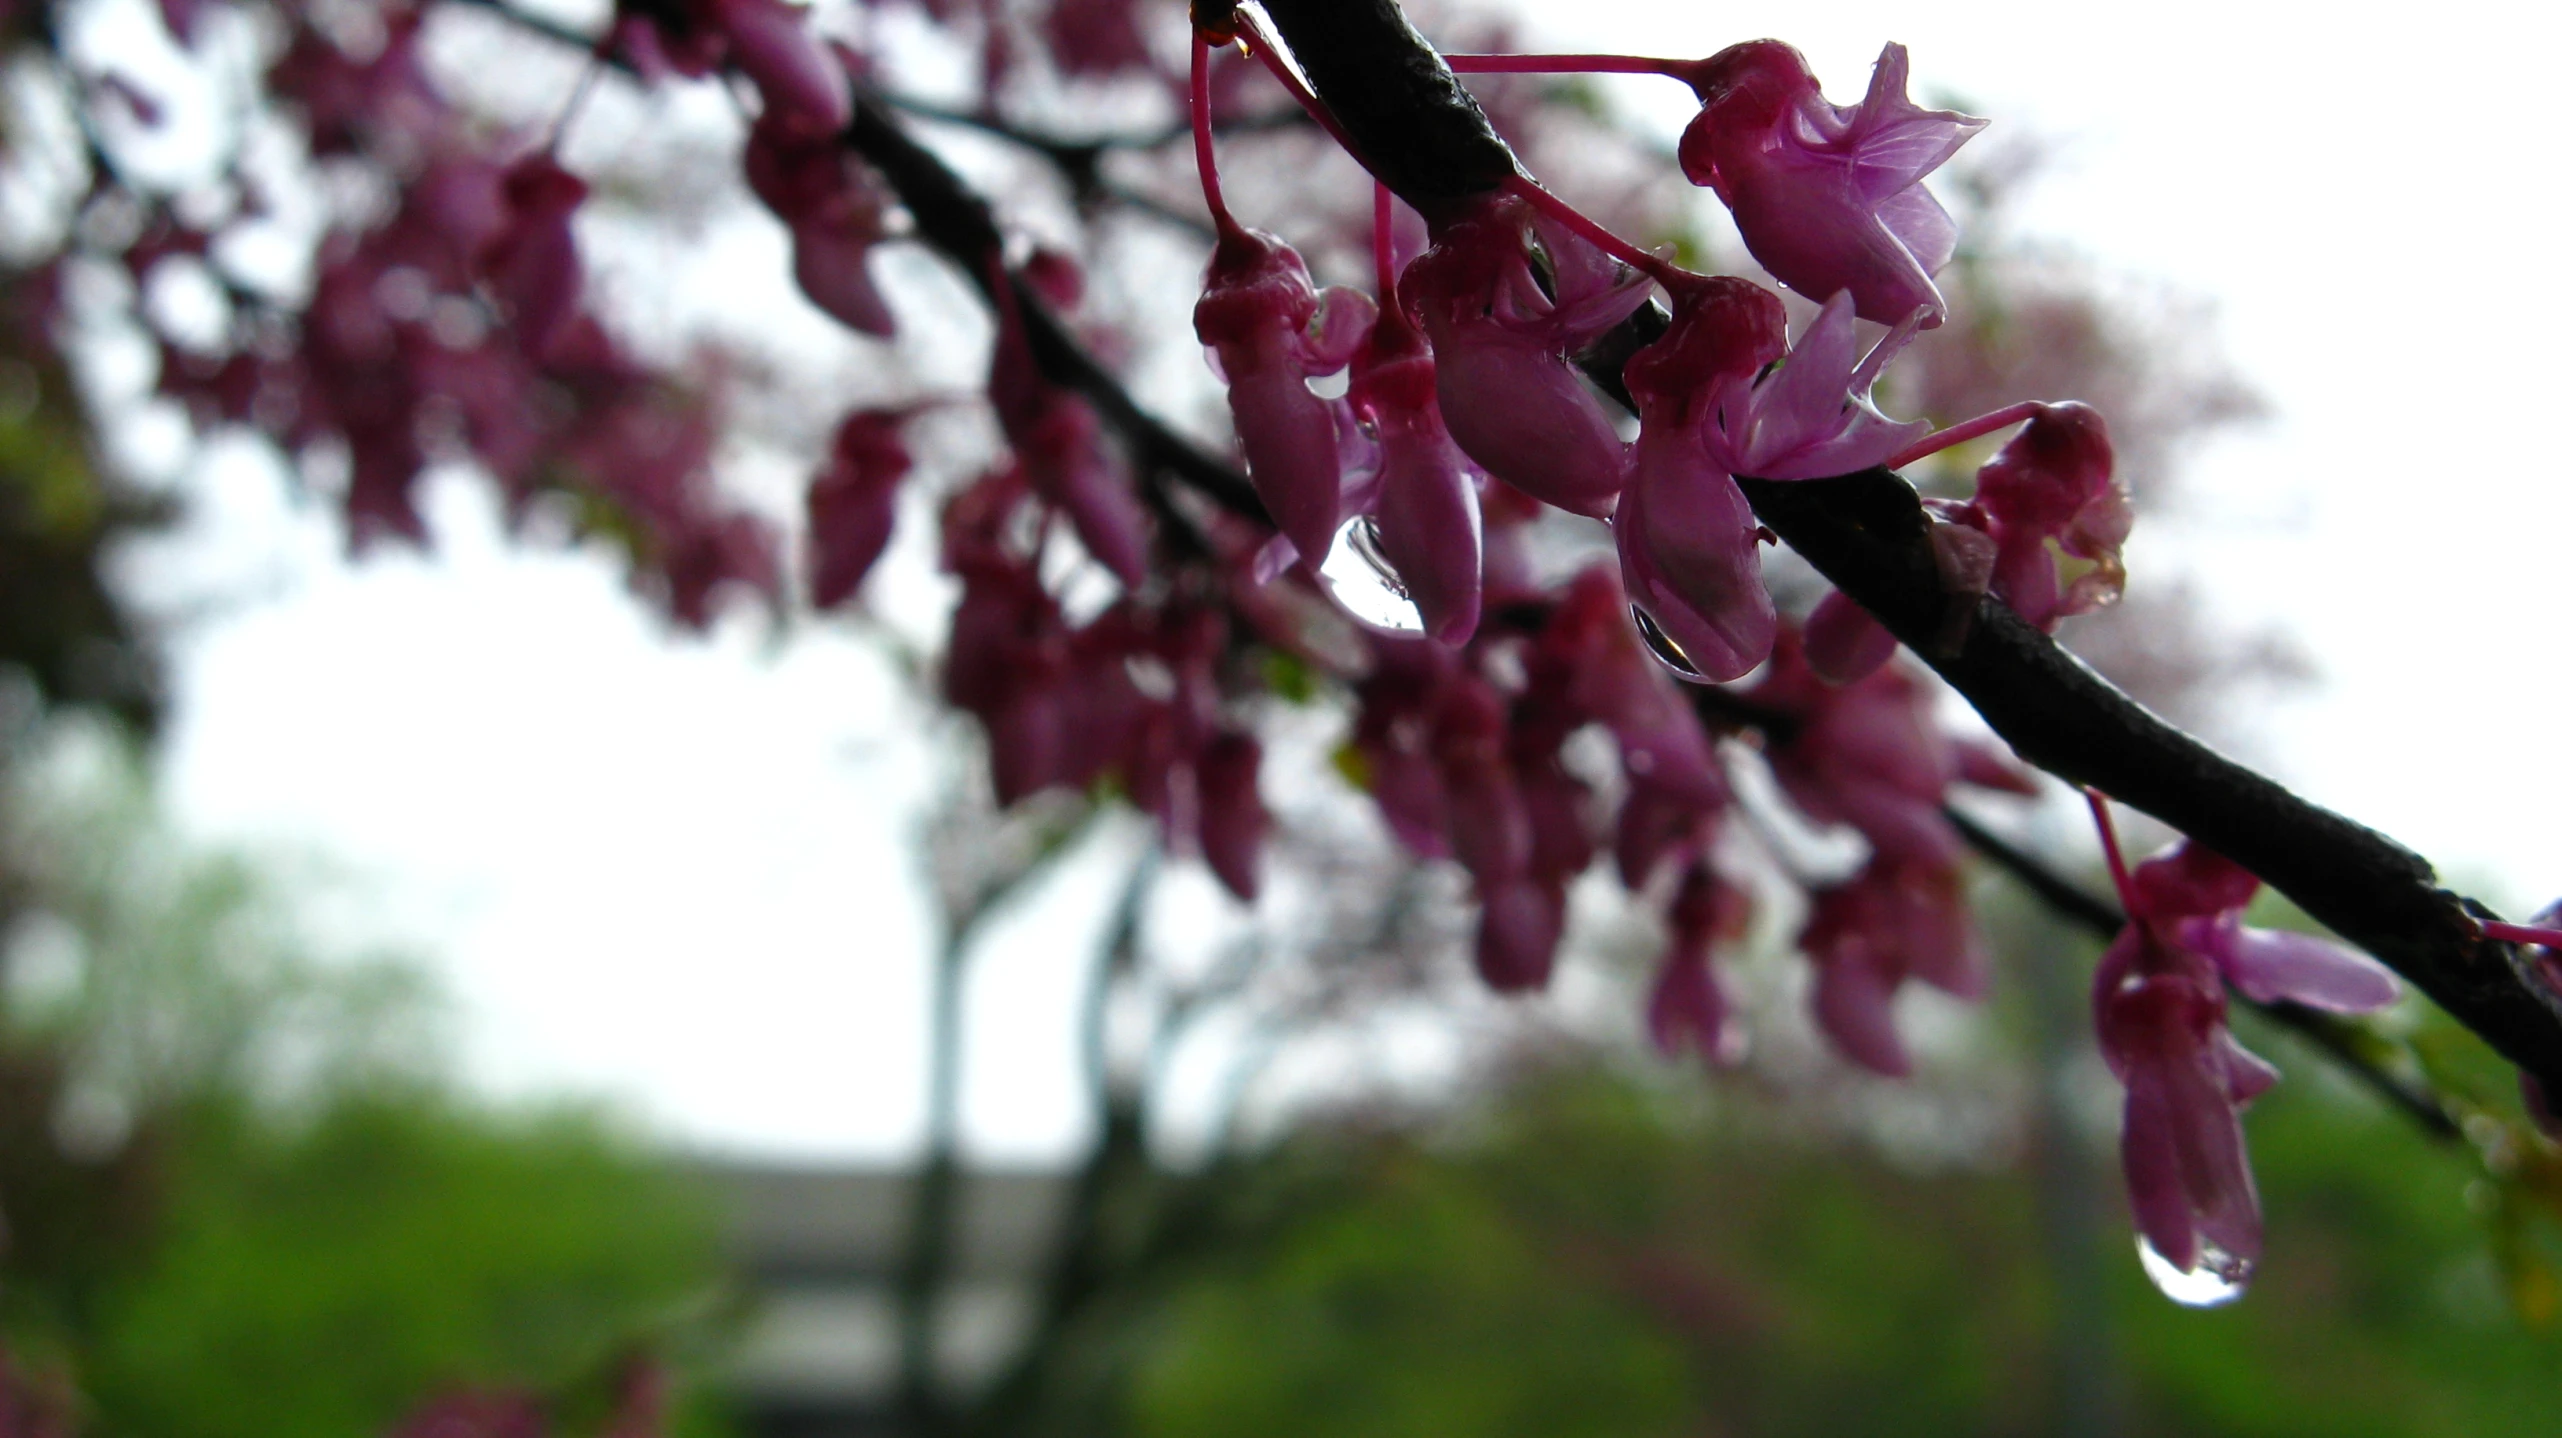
{"x": 675, "y": 872}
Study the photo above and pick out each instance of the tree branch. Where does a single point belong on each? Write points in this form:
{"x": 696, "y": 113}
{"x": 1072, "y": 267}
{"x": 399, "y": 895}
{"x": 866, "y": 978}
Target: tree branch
{"x": 1421, "y": 135}
{"x": 953, "y": 221}
{"x": 957, "y": 224}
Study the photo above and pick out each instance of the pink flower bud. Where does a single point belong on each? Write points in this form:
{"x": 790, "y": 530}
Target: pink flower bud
{"x": 1518, "y": 929}
{"x": 2054, "y": 483}
{"x": 532, "y": 262}
{"x": 770, "y": 42}
{"x": 1233, "y": 819}
{"x": 853, "y": 502}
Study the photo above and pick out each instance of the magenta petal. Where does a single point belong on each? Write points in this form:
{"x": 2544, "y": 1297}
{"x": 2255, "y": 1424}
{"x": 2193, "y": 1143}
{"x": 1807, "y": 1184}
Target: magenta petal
{"x": 771, "y": 42}
{"x": 1689, "y": 554}
{"x": 1288, "y": 434}
{"x": 1686, "y": 1009}
{"x": 834, "y": 270}
{"x": 2273, "y": 966}
{"x": 1516, "y": 409}
{"x": 1854, "y": 1006}
{"x": 1517, "y": 935}
{"x": 1430, "y": 530}
{"x": 1845, "y": 643}
{"x": 2153, "y": 1188}
{"x": 1233, "y": 819}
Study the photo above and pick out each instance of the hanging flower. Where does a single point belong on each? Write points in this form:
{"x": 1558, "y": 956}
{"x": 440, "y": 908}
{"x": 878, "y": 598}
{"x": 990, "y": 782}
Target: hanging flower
{"x": 1829, "y": 199}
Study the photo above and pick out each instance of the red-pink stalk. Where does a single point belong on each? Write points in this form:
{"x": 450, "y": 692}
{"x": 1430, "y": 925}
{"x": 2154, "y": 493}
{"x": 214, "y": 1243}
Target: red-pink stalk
{"x": 2108, "y": 843}
{"x": 1663, "y": 271}
{"x": 1383, "y": 248}
{"x": 1681, "y": 70}
{"x": 1204, "y": 156}
{"x": 1957, "y": 434}
{"x": 2522, "y": 934}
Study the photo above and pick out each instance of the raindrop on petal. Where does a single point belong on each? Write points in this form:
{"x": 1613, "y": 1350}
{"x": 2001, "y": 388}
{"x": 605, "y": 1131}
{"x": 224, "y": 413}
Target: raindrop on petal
{"x": 1661, "y": 646}
{"x": 1362, "y": 581}
{"x": 2218, "y": 1279}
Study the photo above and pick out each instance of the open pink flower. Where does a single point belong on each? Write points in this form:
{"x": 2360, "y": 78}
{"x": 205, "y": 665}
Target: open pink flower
{"x": 1893, "y": 921}
{"x": 1506, "y": 295}
{"x": 1829, "y": 199}
{"x": 2159, "y": 1001}
{"x": 1811, "y": 418}
{"x": 1689, "y": 547}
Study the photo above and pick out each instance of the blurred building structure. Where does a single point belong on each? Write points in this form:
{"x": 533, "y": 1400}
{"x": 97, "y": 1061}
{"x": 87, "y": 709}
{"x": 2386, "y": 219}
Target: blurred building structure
{"x": 820, "y": 1249}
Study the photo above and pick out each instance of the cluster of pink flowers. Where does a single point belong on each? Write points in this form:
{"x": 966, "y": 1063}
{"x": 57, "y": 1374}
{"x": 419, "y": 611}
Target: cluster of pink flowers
{"x": 1439, "y": 424}
{"x": 456, "y": 328}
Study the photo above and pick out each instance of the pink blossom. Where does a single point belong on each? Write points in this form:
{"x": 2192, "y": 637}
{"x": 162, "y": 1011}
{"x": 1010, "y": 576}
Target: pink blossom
{"x": 1892, "y": 921}
{"x": 2159, "y": 997}
{"x": 1689, "y": 546}
{"x": 1686, "y": 1009}
{"x": 1829, "y": 199}
{"x": 1426, "y": 505}
{"x": 1811, "y": 418}
{"x": 1865, "y": 754}
{"x": 532, "y": 261}
{"x": 1518, "y": 928}
{"x": 2053, "y": 485}
{"x": 1233, "y": 819}
{"x": 852, "y": 503}
{"x": 834, "y": 210}
{"x": 1271, "y": 333}
{"x": 1506, "y": 295}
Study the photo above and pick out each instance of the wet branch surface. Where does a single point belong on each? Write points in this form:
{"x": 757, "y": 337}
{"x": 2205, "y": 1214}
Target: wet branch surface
{"x": 1869, "y": 535}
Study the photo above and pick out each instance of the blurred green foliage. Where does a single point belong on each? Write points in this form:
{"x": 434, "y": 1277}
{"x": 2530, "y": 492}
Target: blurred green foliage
{"x": 244, "y": 1199}
{"x": 1599, "y": 1258}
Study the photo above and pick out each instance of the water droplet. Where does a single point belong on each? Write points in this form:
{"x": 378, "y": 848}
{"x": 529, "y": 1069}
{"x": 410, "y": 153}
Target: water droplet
{"x": 1364, "y": 583}
{"x": 2218, "y": 1279}
{"x": 1661, "y": 646}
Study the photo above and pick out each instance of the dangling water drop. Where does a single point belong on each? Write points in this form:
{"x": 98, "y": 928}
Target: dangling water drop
{"x": 1661, "y": 646}
{"x": 2218, "y": 1279}
{"x": 1360, "y": 578}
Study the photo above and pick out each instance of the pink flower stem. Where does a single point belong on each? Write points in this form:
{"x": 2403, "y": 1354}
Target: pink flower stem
{"x": 1681, "y": 70}
{"x": 2522, "y": 934}
{"x": 1383, "y": 248}
{"x": 577, "y": 101}
{"x": 1204, "y": 156}
{"x": 1661, "y": 270}
{"x": 1262, "y": 46}
{"x": 2108, "y": 843}
{"x": 1957, "y": 434}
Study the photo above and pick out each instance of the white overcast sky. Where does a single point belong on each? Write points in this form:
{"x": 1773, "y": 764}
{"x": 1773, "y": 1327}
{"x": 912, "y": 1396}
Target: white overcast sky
{"x": 674, "y": 871}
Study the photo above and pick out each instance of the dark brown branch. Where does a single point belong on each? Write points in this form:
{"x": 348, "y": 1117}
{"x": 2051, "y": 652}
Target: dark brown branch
{"x": 1421, "y": 136}
{"x": 958, "y": 225}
